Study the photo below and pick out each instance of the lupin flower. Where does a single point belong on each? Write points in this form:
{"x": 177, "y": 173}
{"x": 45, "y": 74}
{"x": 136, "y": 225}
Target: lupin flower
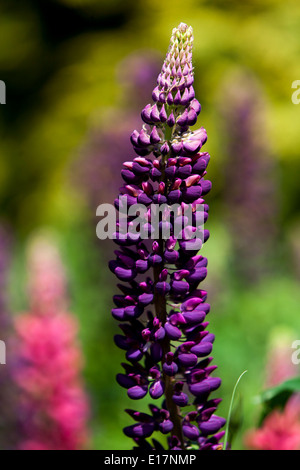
{"x": 53, "y": 405}
{"x": 161, "y": 308}
{"x": 280, "y": 429}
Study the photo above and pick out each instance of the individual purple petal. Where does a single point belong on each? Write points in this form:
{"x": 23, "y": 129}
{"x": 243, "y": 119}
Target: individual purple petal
{"x": 170, "y": 369}
{"x": 171, "y": 120}
{"x": 146, "y": 299}
{"x": 181, "y": 399}
{"x": 146, "y": 115}
{"x": 155, "y": 260}
{"x": 200, "y": 166}
{"x": 166, "y": 426}
{"x": 172, "y": 331}
{"x": 192, "y": 117}
{"x": 162, "y": 288}
{"x": 196, "y": 106}
{"x": 133, "y": 311}
{"x": 174, "y": 196}
{"x": 156, "y": 389}
{"x": 187, "y": 359}
{"x": 190, "y": 431}
{"x": 160, "y": 334}
{"x": 202, "y": 349}
{"x": 163, "y": 115}
{"x": 142, "y": 266}
{"x": 198, "y": 275}
{"x": 191, "y": 193}
{"x": 184, "y": 171}
{"x": 125, "y": 381}
{"x": 119, "y": 314}
{"x": 206, "y": 186}
{"x": 177, "y": 147}
{"x": 134, "y": 355}
{"x": 195, "y": 316}
{"x": 180, "y": 287}
{"x": 154, "y": 136}
{"x": 139, "y": 430}
{"x": 206, "y": 386}
{"x": 125, "y": 274}
{"x": 154, "y": 114}
{"x": 190, "y": 304}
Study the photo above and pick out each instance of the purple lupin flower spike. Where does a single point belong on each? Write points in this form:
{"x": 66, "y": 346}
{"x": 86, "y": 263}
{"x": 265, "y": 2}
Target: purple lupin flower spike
{"x": 161, "y": 308}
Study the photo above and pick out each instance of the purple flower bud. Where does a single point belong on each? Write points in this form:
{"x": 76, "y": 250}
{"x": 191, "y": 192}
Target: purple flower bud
{"x": 137, "y": 392}
{"x": 155, "y": 94}
{"x": 160, "y": 334}
{"x": 162, "y": 288}
{"x": 177, "y": 147}
{"x": 171, "y": 120}
{"x": 165, "y": 149}
{"x": 192, "y": 117}
{"x": 202, "y": 349}
{"x": 156, "y": 390}
{"x": 171, "y": 256}
{"x": 134, "y": 355}
{"x": 163, "y": 276}
{"x": 196, "y": 106}
{"x": 185, "y": 97}
{"x": 190, "y": 304}
{"x": 184, "y": 171}
{"x": 212, "y": 426}
{"x": 143, "y": 139}
{"x": 125, "y": 381}
{"x": 155, "y": 260}
{"x": 180, "y": 287}
{"x": 197, "y": 275}
{"x": 166, "y": 426}
{"x": 191, "y": 193}
{"x": 146, "y": 115}
{"x": 169, "y": 366}
{"x": 206, "y": 386}
{"x": 174, "y": 196}
{"x": 183, "y": 119}
{"x": 154, "y": 114}
{"x": 195, "y": 316}
{"x": 187, "y": 359}
{"x": 181, "y": 399}
{"x": 190, "y": 431}
{"x": 206, "y": 186}
{"x": 145, "y": 299}
{"x": 172, "y": 331}
{"x": 170, "y": 99}
{"x": 139, "y": 430}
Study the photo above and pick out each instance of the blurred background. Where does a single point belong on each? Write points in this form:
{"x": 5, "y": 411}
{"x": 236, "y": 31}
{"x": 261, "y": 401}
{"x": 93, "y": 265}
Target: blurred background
{"x": 78, "y": 73}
